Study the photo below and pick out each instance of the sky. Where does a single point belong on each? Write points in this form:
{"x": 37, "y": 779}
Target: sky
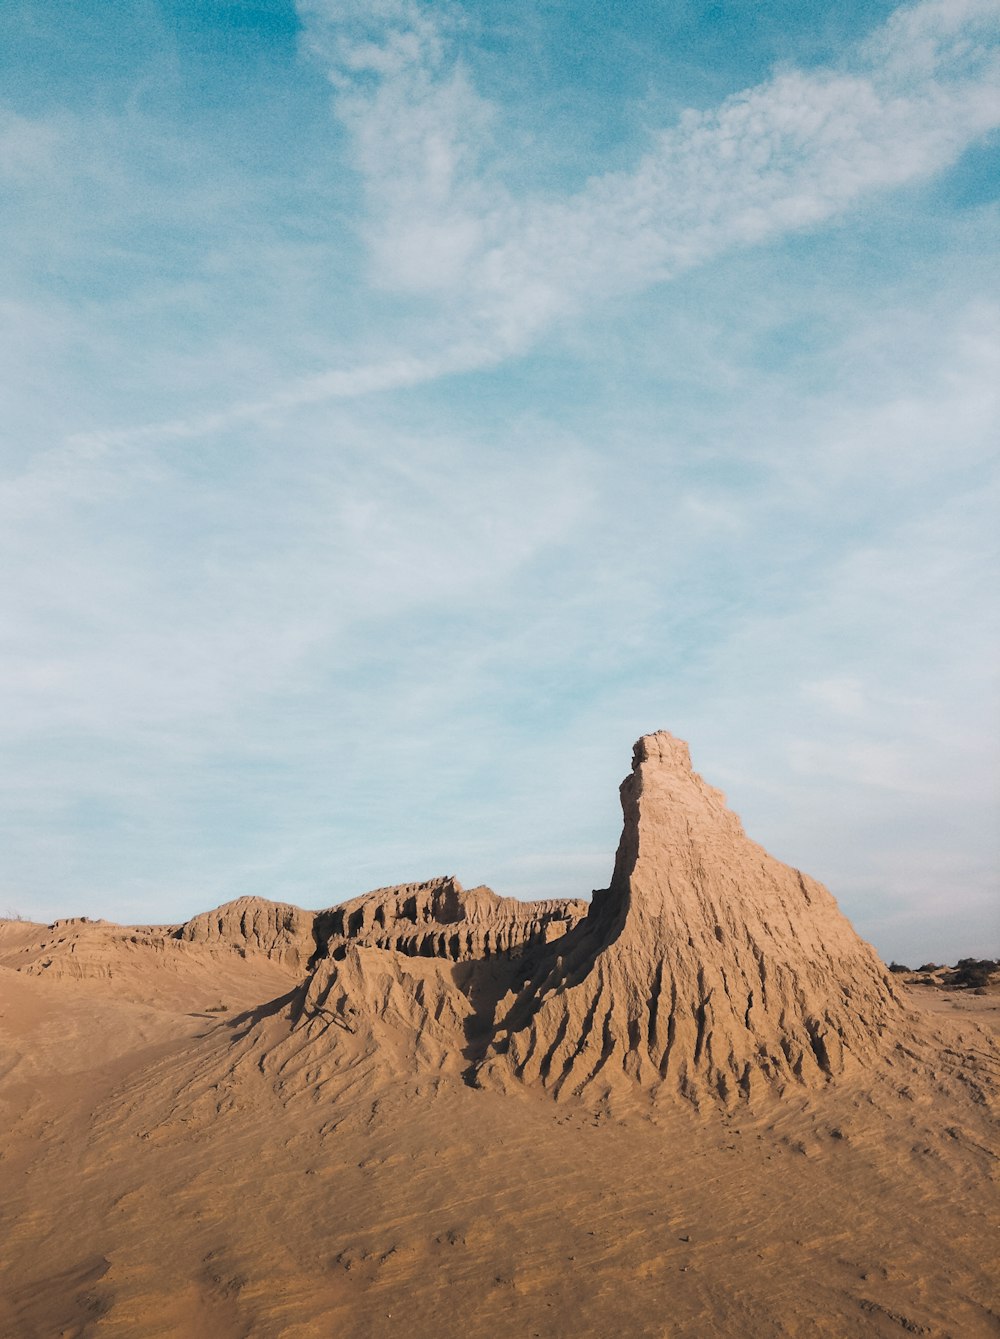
{"x": 405, "y": 406}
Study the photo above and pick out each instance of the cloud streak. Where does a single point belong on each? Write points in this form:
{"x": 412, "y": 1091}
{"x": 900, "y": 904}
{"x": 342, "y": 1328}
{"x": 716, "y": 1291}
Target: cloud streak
{"x": 491, "y": 269}
{"x": 788, "y": 154}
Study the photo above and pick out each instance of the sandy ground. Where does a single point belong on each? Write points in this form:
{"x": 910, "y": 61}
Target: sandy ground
{"x": 148, "y": 1189}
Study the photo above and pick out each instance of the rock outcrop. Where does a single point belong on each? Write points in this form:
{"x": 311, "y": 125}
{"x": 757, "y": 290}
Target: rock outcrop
{"x": 441, "y": 919}
{"x": 279, "y": 930}
{"x": 707, "y": 968}
{"x": 434, "y": 919}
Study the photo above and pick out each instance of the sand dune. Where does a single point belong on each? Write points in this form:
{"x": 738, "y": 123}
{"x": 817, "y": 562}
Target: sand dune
{"x": 697, "y": 1106}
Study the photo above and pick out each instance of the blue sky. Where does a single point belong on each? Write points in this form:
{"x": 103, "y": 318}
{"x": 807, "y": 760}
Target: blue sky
{"x": 406, "y": 406}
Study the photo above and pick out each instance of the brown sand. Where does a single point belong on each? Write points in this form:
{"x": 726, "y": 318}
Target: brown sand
{"x": 441, "y": 1113}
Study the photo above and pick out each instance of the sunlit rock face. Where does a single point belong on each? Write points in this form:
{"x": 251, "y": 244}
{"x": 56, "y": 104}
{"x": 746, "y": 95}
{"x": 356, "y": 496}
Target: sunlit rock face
{"x": 253, "y": 924}
{"x": 706, "y": 969}
{"x": 441, "y": 919}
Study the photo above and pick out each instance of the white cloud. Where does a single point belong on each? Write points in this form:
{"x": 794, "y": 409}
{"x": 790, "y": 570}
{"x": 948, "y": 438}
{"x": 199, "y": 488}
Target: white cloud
{"x": 862, "y": 764}
{"x": 106, "y": 635}
{"x": 489, "y": 268}
{"x": 348, "y": 383}
{"x": 785, "y": 155}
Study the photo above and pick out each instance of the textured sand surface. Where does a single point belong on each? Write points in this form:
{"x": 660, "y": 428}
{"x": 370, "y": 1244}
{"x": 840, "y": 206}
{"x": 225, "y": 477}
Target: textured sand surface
{"x": 438, "y": 1113}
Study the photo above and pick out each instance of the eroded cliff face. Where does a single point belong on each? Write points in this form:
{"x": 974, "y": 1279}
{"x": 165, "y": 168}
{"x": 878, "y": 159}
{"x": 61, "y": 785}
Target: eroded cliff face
{"x": 707, "y": 968}
{"x": 441, "y": 919}
{"x": 434, "y": 919}
{"x": 278, "y": 930}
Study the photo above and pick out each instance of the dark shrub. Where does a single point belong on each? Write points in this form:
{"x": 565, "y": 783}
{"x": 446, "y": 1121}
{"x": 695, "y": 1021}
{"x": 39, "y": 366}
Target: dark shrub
{"x": 973, "y": 972}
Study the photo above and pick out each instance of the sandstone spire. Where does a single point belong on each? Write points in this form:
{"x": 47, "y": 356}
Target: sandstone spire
{"x": 706, "y": 968}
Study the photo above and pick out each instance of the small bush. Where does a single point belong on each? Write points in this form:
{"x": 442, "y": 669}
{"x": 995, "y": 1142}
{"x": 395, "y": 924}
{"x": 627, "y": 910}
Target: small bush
{"x": 973, "y": 972}
{"x": 217, "y": 1009}
{"x": 898, "y": 967}
{"x": 929, "y": 967}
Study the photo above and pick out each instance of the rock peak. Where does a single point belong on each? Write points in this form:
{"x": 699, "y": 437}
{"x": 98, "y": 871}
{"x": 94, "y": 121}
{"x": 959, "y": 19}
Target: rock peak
{"x": 661, "y": 747}
{"x": 706, "y": 968}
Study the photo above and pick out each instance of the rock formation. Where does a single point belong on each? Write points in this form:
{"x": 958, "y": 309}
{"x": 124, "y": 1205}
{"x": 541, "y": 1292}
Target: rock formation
{"x": 441, "y": 919}
{"x": 279, "y": 930}
{"x": 274, "y": 1121}
{"x": 706, "y": 968}
{"x": 434, "y": 919}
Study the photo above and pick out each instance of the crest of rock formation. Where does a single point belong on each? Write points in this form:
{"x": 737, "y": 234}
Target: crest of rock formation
{"x": 707, "y": 967}
{"x": 441, "y": 919}
{"x": 279, "y": 930}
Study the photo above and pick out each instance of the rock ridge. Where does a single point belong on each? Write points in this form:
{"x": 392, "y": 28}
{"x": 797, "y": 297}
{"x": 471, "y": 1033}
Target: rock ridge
{"x": 440, "y": 919}
{"x": 436, "y": 918}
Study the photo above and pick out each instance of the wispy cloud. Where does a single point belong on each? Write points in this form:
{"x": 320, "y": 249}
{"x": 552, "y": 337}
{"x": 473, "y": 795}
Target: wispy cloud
{"x": 491, "y": 267}
{"x": 788, "y": 154}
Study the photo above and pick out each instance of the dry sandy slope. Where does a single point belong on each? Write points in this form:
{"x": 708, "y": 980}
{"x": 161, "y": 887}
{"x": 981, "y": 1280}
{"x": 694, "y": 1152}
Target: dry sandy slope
{"x": 142, "y": 1196}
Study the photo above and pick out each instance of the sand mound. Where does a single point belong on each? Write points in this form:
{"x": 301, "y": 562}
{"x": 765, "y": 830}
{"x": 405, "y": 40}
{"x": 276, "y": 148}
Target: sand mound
{"x": 707, "y": 967}
{"x": 140, "y": 963}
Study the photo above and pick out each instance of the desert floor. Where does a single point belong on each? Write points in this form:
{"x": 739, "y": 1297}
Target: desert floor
{"x": 147, "y": 1189}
